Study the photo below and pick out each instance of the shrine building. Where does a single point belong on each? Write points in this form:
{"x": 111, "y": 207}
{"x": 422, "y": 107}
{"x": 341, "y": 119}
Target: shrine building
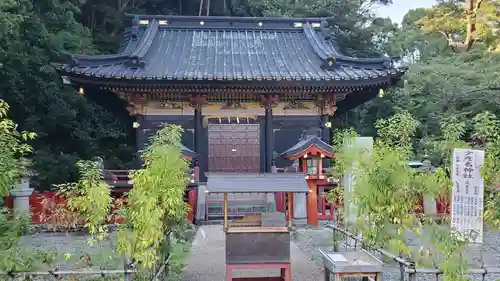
{"x": 243, "y": 89}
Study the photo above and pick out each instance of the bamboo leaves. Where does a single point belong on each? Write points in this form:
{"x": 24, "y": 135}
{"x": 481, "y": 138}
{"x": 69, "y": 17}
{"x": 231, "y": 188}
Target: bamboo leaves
{"x": 156, "y": 204}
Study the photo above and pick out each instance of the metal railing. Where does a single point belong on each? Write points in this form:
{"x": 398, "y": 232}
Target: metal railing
{"x": 345, "y": 241}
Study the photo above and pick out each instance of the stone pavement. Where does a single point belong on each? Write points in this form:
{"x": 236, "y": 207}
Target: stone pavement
{"x": 206, "y": 261}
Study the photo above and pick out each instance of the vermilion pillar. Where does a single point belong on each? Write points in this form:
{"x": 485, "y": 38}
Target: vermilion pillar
{"x": 312, "y": 203}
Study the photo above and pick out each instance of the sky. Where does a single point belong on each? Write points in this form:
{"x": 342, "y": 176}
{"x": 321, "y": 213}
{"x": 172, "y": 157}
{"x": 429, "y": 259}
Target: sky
{"x": 399, "y": 8}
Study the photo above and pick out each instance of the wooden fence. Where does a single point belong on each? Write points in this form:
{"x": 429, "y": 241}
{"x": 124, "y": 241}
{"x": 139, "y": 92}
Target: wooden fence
{"x": 44, "y": 205}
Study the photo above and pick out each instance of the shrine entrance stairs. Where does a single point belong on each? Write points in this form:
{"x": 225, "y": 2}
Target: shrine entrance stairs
{"x": 206, "y": 261}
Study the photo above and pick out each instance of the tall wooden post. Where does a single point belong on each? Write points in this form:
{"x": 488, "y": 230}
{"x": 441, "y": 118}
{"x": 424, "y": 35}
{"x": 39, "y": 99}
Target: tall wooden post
{"x": 269, "y": 102}
{"x": 325, "y": 135}
{"x": 290, "y": 208}
{"x": 269, "y": 139}
{"x": 139, "y": 138}
{"x": 197, "y": 102}
{"x": 312, "y": 203}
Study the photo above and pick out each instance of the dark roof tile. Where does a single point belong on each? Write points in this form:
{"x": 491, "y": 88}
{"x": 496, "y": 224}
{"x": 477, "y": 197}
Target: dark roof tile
{"x": 229, "y": 49}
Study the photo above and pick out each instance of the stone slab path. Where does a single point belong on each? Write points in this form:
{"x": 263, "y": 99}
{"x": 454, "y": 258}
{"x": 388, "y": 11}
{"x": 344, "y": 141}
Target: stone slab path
{"x": 206, "y": 261}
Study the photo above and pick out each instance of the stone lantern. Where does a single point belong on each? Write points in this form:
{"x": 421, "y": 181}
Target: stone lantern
{"x": 22, "y": 191}
{"x": 429, "y": 202}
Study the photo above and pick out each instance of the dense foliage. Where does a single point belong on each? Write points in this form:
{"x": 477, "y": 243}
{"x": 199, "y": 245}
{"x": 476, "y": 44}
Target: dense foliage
{"x": 155, "y": 206}
{"x": 70, "y": 127}
{"x": 12, "y": 147}
{"x": 387, "y": 191}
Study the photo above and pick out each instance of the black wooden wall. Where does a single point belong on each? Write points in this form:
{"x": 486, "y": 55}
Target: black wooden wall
{"x": 287, "y": 132}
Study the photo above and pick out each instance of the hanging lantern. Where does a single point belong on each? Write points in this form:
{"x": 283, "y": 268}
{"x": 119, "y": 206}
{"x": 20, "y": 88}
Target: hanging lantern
{"x": 81, "y": 92}
{"x": 381, "y": 92}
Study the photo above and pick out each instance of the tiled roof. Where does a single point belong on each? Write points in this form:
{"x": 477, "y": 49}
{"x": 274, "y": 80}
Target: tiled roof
{"x": 187, "y": 152}
{"x": 224, "y": 48}
{"x": 255, "y": 183}
{"x": 309, "y": 138}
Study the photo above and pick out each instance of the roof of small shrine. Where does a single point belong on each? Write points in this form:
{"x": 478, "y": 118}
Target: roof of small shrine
{"x": 180, "y": 48}
{"x": 186, "y": 152}
{"x": 310, "y": 140}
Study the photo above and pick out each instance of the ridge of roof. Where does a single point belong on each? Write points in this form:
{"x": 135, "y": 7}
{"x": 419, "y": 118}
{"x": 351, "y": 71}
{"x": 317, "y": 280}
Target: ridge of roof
{"x": 227, "y": 18}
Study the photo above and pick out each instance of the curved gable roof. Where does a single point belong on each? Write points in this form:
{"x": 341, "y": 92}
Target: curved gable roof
{"x": 173, "y": 48}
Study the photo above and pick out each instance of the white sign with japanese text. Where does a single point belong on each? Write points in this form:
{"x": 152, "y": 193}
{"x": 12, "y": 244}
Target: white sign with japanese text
{"x": 467, "y": 194}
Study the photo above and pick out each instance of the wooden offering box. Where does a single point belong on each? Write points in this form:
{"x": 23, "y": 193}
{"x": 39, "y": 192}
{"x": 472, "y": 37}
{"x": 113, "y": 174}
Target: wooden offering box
{"x": 258, "y": 239}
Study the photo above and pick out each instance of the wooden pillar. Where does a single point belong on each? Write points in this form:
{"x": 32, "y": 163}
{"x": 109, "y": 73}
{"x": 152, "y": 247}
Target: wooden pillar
{"x": 198, "y": 127}
{"x": 312, "y": 203}
{"x": 197, "y": 101}
{"x": 290, "y": 209}
{"x": 269, "y": 139}
{"x": 327, "y": 106}
{"x": 268, "y": 102}
{"x": 139, "y": 139}
{"x": 325, "y": 136}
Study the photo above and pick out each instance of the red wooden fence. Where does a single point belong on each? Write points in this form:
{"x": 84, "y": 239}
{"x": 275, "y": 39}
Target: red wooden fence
{"x": 40, "y": 214}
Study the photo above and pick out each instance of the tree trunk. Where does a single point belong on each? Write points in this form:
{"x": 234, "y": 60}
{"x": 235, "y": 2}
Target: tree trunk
{"x": 471, "y": 8}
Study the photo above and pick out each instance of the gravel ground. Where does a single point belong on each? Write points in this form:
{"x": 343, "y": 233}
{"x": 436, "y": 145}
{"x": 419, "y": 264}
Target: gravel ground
{"x": 206, "y": 260}
{"x": 73, "y": 249}
{"x": 311, "y": 239}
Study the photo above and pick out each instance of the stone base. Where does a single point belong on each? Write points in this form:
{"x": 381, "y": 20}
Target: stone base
{"x": 22, "y": 199}
{"x": 302, "y": 223}
{"x": 200, "y": 207}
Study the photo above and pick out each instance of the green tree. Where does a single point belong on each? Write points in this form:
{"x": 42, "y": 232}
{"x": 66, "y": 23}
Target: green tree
{"x": 155, "y": 206}
{"x": 13, "y": 145}
{"x": 388, "y": 191}
{"x": 472, "y": 20}
{"x": 353, "y": 23}
{"x": 69, "y": 127}
{"x": 487, "y": 136}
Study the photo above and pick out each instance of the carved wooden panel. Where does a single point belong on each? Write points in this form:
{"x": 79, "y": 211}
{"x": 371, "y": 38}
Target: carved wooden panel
{"x": 233, "y": 148}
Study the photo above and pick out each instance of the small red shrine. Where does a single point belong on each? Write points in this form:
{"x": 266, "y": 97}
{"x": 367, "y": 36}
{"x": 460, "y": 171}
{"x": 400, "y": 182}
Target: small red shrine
{"x": 311, "y": 151}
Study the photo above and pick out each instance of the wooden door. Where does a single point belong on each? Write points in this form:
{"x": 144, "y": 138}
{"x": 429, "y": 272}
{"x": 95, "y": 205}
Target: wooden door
{"x": 233, "y": 148}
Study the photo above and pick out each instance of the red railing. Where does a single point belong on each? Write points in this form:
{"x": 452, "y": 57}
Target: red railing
{"x": 121, "y": 178}
{"x": 118, "y": 179}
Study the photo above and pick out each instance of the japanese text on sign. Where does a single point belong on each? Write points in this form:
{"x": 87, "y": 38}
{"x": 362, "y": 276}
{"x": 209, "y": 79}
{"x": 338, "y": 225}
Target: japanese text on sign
{"x": 467, "y": 193}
